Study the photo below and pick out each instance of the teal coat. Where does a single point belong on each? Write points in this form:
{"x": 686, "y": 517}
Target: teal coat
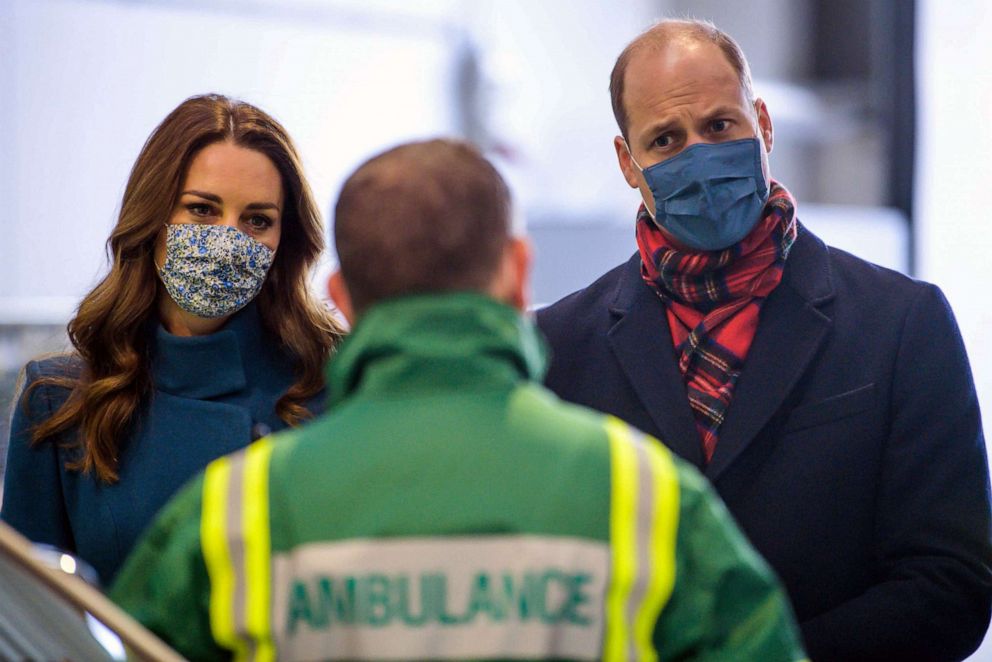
{"x": 212, "y": 395}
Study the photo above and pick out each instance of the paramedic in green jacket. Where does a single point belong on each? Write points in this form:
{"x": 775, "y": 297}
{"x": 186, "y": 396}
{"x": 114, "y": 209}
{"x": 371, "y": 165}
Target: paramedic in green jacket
{"x": 448, "y": 506}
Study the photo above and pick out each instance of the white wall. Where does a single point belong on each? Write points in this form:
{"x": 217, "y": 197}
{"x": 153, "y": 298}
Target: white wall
{"x": 954, "y": 176}
{"x": 85, "y": 82}
{"x": 546, "y": 105}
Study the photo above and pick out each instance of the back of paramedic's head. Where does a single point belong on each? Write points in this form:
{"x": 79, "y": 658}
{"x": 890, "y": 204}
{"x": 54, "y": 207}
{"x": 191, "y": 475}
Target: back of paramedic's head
{"x": 426, "y": 217}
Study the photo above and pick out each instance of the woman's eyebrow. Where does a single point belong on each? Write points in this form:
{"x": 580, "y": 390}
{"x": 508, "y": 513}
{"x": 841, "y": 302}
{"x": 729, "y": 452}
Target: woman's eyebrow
{"x": 262, "y": 205}
{"x": 206, "y": 196}
{"x": 217, "y": 199}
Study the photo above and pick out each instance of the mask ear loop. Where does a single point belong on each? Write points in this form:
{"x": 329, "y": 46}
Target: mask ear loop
{"x": 161, "y": 236}
{"x": 631, "y": 155}
{"x": 637, "y": 165}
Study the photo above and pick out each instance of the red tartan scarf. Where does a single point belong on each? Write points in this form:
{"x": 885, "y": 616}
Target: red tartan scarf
{"x": 713, "y": 299}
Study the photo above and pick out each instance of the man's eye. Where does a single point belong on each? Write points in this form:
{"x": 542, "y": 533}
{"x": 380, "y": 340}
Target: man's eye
{"x": 719, "y": 126}
{"x": 662, "y": 141}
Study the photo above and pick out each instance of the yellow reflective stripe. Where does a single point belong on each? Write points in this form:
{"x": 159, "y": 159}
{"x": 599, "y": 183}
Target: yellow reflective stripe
{"x": 664, "y": 530}
{"x": 644, "y": 519}
{"x": 213, "y": 540}
{"x": 255, "y": 517}
{"x": 623, "y": 559}
{"x": 235, "y": 537}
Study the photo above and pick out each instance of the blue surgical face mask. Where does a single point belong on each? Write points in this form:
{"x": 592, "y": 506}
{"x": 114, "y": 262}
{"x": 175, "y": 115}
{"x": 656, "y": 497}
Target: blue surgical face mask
{"x": 709, "y": 196}
{"x": 213, "y": 270}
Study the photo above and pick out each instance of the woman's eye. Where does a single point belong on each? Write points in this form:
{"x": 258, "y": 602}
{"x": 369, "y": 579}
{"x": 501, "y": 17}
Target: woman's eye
{"x": 198, "y": 209}
{"x": 259, "y": 222}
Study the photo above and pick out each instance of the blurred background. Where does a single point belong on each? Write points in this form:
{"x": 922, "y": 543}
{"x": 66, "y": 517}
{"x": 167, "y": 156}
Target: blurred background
{"x": 878, "y": 105}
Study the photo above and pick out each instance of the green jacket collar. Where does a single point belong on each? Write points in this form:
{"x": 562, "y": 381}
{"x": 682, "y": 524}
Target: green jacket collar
{"x": 429, "y": 342}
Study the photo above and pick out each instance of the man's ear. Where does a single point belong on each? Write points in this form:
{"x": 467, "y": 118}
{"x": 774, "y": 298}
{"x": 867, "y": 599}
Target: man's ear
{"x": 338, "y": 291}
{"x": 764, "y": 124}
{"x": 626, "y": 162}
{"x": 512, "y": 283}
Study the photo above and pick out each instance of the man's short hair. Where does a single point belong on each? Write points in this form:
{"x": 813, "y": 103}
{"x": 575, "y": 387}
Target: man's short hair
{"x": 664, "y": 32}
{"x": 422, "y": 217}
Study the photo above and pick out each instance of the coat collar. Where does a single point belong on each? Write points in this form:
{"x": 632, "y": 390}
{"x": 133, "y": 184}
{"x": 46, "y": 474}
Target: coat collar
{"x": 208, "y": 366}
{"x": 423, "y": 343}
{"x": 792, "y": 326}
{"x": 641, "y": 342}
{"x": 807, "y": 269}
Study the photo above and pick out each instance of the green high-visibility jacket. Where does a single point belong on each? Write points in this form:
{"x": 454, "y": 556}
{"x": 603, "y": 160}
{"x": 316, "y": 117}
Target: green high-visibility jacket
{"x": 449, "y": 507}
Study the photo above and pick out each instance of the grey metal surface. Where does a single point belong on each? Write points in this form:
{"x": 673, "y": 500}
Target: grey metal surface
{"x": 37, "y": 624}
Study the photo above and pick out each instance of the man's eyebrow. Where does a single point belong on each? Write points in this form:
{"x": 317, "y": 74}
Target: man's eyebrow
{"x": 659, "y": 127}
{"x": 206, "y": 196}
{"x": 723, "y": 110}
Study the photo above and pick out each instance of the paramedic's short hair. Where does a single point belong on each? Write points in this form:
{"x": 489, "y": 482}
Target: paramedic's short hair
{"x": 422, "y": 217}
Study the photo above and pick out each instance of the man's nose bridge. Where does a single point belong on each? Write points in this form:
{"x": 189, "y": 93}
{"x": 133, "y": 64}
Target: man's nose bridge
{"x": 693, "y": 138}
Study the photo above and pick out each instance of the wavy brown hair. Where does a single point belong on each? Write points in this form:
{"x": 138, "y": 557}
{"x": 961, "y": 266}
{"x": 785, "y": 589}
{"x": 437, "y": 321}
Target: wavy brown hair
{"x": 110, "y": 328}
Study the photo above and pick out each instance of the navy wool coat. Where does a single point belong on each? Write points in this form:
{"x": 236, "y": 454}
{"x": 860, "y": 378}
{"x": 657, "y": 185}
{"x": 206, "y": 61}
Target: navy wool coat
{"x": 851, "y": 455}
{"x": 212, "y": 395}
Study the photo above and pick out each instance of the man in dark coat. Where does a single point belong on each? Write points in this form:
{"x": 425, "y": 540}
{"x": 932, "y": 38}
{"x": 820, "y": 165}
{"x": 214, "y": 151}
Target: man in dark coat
{"x": 829, "y": 400}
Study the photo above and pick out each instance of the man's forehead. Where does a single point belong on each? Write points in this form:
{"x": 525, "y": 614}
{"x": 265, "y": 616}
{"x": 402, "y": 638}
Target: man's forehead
{"x": 689, "y": 70}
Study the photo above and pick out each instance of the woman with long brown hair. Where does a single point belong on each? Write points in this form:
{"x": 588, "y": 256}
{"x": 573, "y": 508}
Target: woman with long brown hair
{"x": 203, "y": 335}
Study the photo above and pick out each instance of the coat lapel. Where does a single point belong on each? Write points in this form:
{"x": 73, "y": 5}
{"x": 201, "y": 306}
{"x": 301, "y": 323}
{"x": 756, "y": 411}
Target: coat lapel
{"x": 642, "y": 344}
{"x": 791, "y": 330}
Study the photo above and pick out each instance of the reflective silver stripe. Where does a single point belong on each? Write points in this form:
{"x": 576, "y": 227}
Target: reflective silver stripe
{"x": 235, "y": 546}
{"x": 643, "y": 527}
{"x": 235, "y": 539}
{"x": 426, "y": 600}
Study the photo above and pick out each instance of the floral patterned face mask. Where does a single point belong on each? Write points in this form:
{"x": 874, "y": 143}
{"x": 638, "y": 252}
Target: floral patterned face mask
{"x": 213, "y": 270}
